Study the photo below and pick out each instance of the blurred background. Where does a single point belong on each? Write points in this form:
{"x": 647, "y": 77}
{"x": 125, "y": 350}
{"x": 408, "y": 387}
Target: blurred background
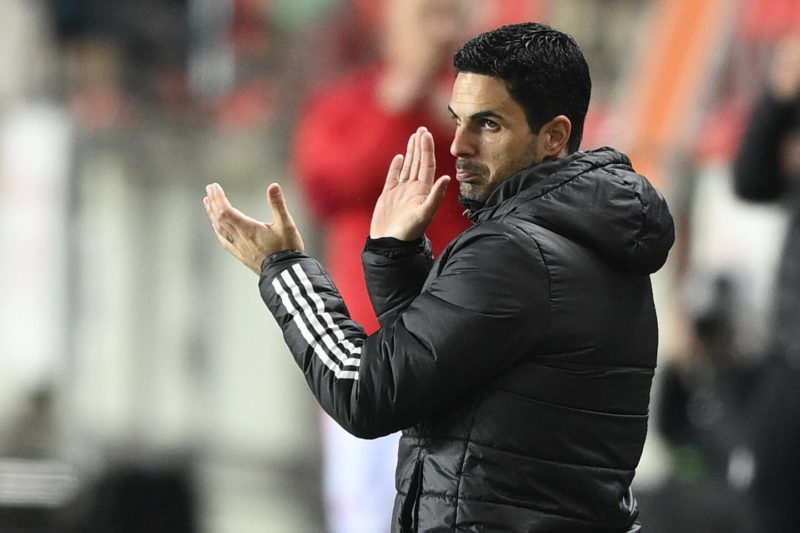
{"x": 143, "y": 385}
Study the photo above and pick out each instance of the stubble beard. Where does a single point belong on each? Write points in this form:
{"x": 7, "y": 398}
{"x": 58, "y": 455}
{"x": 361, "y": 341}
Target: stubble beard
{"x": 477, "y": 192}
{"x": 473, "y": 192}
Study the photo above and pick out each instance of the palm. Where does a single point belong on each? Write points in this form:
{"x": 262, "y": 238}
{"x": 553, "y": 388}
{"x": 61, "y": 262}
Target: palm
{"x": 410, "y": 195}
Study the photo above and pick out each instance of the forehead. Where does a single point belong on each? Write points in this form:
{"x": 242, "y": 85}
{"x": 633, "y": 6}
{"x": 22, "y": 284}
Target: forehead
{"x": 474, "y": 93}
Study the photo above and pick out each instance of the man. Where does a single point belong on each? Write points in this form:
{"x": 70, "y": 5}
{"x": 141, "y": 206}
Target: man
{"x": 519, "y": 363}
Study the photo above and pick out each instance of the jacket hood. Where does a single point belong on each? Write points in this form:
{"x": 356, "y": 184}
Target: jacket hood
{"x": 594, "y": 198}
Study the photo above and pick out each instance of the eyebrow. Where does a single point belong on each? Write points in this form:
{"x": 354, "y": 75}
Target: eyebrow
{"x": 478, "y": 115}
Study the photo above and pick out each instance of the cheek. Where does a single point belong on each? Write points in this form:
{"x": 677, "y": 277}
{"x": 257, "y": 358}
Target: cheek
{"x": 518, "y": 155}
{"x": 499, "y": 151}
{"x": 504, "y": 155}
{"x": 493, "y": 153}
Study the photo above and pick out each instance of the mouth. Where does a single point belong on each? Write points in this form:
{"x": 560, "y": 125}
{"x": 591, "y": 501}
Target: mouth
{"x": 468, "y": 172}
{"x": 464, "y": 176}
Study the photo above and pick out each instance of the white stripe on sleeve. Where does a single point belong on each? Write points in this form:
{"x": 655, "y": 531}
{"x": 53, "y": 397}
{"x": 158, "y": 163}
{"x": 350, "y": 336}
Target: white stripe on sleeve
{"x": 354, "y": 350}
{"x": 320, "y": 339}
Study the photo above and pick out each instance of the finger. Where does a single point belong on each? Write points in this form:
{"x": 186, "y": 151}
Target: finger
{"x": 394, "y": 172}
{"x": 415, "y": 161}
{"x": 226, "y": 220}
{"x": 405, "y": 171}
{"x": 207, "y": 203}
{"x": 220, "y": 210}
{"x": 280, "y": 212}
{"x": 427, "y": 158}
{"x": 212, "y": 215}
{"x": 435, "y": 197}
{"x": 215, "y": 193}
{"x": 217, "y": 199}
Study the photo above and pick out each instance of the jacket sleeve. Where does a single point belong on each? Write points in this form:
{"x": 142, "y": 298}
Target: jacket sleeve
{"x": 395, "y": 272}
{"x": 757, "y": 170}
{"x": 479, "y": 315}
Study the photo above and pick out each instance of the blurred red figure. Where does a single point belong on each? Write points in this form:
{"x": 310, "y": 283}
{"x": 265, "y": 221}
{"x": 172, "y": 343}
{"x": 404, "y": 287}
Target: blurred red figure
{"x": 346, "y": 137}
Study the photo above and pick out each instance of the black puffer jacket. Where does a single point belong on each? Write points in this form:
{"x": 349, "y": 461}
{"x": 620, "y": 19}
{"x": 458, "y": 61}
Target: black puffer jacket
{"x": 519, "y": 364}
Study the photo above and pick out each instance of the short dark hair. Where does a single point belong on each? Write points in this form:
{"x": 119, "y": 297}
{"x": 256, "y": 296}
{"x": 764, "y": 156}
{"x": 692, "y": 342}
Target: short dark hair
{"x": 543, "y": 69}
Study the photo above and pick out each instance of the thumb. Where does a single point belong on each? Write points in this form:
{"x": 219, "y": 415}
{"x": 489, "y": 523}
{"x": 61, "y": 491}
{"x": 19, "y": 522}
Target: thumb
{"x": 280, "y": 213}
{"x": 435, "y": 197}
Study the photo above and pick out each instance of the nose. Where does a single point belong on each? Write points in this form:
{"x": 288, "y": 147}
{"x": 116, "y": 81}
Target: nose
{"x": 463, "y": 145}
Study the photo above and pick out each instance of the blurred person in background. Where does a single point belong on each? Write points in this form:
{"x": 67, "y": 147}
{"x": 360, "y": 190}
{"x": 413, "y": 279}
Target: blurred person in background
{"x": 346, "y": 134}
{"x": 767, "y": 168}
{"x": 519, "y": 364}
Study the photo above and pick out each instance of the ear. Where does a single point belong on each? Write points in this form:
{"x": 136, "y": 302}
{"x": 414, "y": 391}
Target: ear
{"x": 553, "y": 138}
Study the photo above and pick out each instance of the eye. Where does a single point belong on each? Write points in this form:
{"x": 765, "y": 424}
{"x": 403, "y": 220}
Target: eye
{"x": 489, "y": 124}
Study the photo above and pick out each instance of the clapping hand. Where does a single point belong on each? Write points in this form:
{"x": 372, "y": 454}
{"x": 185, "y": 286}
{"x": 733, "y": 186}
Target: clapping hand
{"x": 248, "y": 239}
{"x": 410, "y": 195}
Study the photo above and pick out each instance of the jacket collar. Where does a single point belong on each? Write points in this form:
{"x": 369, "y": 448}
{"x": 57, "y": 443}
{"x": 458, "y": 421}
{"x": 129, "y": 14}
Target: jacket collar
{"x": 536, "y": 180}
{"x": 594, "y": 198}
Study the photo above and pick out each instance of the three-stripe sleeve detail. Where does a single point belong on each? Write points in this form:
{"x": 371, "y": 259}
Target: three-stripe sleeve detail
{"x": 315, "y": 324}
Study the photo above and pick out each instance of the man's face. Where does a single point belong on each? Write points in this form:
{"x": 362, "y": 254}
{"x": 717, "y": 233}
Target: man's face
{"x": 492, "y": 139}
